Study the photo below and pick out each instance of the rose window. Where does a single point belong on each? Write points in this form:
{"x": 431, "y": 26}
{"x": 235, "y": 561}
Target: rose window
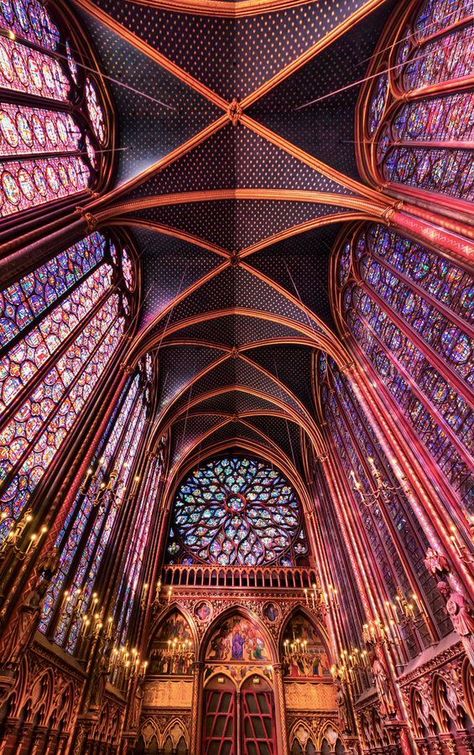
{"x": 236, "y": 511}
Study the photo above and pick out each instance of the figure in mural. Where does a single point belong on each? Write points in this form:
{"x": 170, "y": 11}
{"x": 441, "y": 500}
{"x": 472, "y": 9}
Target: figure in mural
{"x": 304, "y": 653}
{"x": 238, "y": 639}
{"x": 173, "y": 650}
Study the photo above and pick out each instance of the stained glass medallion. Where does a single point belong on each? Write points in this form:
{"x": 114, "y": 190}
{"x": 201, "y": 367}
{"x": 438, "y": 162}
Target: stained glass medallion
{"x": 237, "y": 511}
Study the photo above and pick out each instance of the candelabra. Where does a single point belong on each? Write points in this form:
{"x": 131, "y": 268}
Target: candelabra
{"x": 99, "y": 486}
{"x": 376, "y": 631}
{"x": 14, "y": 537}
{"x": 125, "y": 665}
{"x": 382, "y": 491}
{"x": 317, "y": 599}
{"x": 177, "y": 656}
{"x": 350, "y": 663}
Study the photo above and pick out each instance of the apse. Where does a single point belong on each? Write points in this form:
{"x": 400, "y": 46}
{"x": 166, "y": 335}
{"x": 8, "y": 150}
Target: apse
{"x": 236, "y": 349}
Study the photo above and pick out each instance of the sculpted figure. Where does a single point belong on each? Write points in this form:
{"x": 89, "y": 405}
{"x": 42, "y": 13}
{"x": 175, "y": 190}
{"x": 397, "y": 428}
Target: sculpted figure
{"x": 461, "y": 615}
{"x": 22, "y": 626}
{"x": 382, "y": 684}
{"x": 343, "y": 705}
{"x": 436, "y": 563}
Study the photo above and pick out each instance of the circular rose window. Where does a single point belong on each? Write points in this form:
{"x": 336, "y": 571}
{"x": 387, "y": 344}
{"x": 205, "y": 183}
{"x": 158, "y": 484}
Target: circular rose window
{"x": 236, "y": 511}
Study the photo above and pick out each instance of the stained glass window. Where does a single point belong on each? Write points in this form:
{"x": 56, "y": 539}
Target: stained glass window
{"x": 419, "y": 144}
{"x": 354, "y": 442}
{"x": 61, "y": 325}
{"x": 136, "y": 554}
{"x": 410, "y": 310}
{"x": 235, "y": 511}
{"x": 46, "y": 153}
{"x": 99, "y": 511}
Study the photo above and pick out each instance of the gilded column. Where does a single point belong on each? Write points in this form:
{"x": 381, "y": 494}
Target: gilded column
{"x": 280, "y": 710}
{"x": 196, "y": 708}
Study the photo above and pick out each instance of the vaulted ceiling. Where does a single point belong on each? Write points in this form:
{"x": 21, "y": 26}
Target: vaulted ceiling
{"x": 236, "y": 172}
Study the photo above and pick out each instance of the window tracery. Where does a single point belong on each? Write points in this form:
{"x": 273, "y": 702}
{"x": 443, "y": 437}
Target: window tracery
{"x": 63, "y": 322}
{"x": 235, "y": 511}
{"x": 86, "y": 532}
{"x": 420, "y": 143}
{"x": 47, "y": 152}
{"x": 354, "y": 442}
{"x": 409, "y": 310}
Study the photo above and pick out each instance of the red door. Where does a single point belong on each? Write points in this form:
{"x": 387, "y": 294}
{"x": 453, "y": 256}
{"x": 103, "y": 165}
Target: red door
{"x": 220, "y": 724}
{"x": 244, "y": 729}
{"x": 258, "y": 734}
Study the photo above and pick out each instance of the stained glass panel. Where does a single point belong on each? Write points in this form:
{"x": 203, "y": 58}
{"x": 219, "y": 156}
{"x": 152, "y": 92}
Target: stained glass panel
{"x": 237, "y": 511}
{"x": 33, "y": 64}
{"x": 421, "y": 289}
{"x": 73, "y": 531}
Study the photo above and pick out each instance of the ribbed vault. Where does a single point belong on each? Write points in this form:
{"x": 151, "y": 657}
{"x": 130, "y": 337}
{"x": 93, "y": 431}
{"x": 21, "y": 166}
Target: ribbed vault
{"x": 235, "y": 200}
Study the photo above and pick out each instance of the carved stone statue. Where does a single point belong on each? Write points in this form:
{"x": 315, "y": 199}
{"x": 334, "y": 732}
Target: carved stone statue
{"x": 98, "y": 680}
{"x": 21, "y": 627}
{"x": 462, "y": 616}
{"x": 382, "y": 684}
{"x": 436, "y": 563}
{"x": 343, "y": 706}
{"x": 136, "y": 707}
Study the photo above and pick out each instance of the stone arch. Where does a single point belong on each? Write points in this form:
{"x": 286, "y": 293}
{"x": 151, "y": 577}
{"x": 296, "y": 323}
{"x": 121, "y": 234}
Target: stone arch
{"x": 178, "y": 624}
{"x": 175, "y": 731}
{"x": 302, "y": 735}
{"x": 330, "y": 732}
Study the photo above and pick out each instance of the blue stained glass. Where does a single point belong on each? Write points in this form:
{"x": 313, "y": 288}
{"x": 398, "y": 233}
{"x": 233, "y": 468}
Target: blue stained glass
{"x": 241, "y": 512}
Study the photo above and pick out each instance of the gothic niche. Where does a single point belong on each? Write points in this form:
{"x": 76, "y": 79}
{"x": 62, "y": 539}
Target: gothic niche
{"x": 304, "y": 652}
{"x": 172, "y": 651}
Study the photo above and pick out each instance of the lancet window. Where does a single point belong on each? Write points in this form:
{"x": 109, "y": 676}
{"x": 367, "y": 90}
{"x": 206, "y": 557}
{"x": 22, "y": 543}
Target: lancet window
{"x": 107, "y": 488}
{"x": 389, "y": 526}
{"x": 62, "y": 324}
{"x": 416, "y": 111}
{"x": 409, "y": 310}
{"x": 54, "y": 130}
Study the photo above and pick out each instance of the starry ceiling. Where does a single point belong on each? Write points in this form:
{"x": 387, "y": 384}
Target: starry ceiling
{"x": 236, "y": 172}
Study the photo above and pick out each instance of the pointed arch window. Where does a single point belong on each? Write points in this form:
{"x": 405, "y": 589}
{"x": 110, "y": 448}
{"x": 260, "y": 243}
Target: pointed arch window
{"x": 54, "y": 125}
{"x": 390, "y": 528}
{"x": 86, "y": 532}
{"x": 409, "y": 311}
{"x": 414, "y": 110}
{"x": 62, "y": 325}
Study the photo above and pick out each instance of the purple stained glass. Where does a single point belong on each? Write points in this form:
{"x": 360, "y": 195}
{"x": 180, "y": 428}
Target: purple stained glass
{"x": 411, "y": 279}
{"x": 35, "y": 292}
{"x": 377, "y": 105}
{"x": 235, "y": 511}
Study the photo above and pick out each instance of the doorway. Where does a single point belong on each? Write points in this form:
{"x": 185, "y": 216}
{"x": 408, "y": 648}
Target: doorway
{"x": 239, "y": 721}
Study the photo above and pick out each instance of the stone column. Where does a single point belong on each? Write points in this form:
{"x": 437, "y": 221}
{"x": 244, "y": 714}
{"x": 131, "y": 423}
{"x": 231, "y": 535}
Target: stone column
{"x": 280, "y": 710}
{"x": 196, "y": 709}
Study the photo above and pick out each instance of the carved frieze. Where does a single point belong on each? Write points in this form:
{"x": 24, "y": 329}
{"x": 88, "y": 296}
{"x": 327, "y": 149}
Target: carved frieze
{"x": 310, "y": 696}
{"x": 168, "y": 693}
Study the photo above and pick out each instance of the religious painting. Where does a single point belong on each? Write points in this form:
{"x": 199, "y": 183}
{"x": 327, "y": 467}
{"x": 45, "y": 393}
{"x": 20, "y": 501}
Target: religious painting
{"x": 173, "y": 648}
{"x": 304, "y": 652}
{"x": 270, "y": 611}
{"x": 237, "y": 639}
{"x": 203, "y": 611}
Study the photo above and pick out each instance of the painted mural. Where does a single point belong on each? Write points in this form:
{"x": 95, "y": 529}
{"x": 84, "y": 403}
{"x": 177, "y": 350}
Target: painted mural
{"x": 304, "y": 652}
{"x": 237, "y": 639}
